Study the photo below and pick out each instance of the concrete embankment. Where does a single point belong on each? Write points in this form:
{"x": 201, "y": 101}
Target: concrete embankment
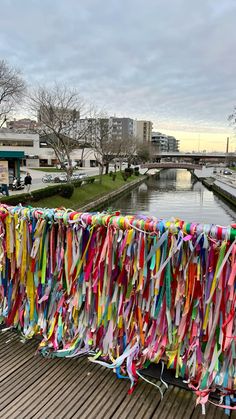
{"x": 106, "y": 200}
{"x": 226, "y": 188}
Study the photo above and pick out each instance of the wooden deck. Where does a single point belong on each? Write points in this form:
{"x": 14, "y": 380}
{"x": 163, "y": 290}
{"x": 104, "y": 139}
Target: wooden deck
{"x": 37, "y": 387}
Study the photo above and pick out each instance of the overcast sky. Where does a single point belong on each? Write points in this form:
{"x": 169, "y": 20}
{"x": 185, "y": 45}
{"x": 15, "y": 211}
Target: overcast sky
{"x": 170, "y": 61}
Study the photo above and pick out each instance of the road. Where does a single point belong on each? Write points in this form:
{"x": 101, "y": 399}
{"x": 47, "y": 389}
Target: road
{"x": 37, "y": 175}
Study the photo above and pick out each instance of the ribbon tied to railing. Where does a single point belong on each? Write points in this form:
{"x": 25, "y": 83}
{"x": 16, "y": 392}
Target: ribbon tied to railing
{"x": 126, "y": 290}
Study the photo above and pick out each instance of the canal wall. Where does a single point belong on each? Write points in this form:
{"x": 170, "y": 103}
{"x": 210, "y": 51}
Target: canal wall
{"x": 107, "y": 199}
{"x": 226, "y": 190}
{"x": 221, "y": 187}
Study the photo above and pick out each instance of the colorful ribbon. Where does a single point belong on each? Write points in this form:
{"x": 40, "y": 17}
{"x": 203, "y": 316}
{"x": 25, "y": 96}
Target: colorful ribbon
{"x": 127, "y": 290}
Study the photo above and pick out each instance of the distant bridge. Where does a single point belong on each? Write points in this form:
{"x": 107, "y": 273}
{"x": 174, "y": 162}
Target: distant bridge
{"x": 195, "y": 156}
{"x": 171, "y": 165}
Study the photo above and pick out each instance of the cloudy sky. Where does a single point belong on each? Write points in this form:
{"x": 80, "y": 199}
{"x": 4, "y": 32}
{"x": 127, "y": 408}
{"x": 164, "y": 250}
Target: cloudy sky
{"x": 170, "y": 61}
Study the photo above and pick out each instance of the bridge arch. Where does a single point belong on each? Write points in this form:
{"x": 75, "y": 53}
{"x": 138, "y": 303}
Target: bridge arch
{"x": 171, "y": 165}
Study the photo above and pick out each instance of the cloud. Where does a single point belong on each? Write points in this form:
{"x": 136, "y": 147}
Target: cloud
{"x": 171, "y": 61}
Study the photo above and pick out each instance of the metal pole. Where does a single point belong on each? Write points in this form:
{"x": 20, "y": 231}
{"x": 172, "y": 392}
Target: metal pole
{"x": 227, "y": 146}
{"x": 227, "y": 151}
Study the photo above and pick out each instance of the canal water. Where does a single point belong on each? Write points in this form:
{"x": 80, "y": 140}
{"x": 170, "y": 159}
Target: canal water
{"x": 175, "y": 193}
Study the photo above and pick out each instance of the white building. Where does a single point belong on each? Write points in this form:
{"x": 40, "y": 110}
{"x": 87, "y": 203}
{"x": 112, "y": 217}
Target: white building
{"x": 28, "y": 143}
{"x": 36, "y": 151}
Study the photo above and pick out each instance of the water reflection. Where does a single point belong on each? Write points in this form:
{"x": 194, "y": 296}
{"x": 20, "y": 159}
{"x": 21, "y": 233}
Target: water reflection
{"x": 175, "y": 194}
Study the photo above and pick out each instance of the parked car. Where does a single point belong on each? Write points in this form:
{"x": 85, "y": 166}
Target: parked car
{"x": 78, "y": 176}
{"x": 227, "y": 172}
{"x": 82, "y": 175}
{"x": 47, "y": 179}
{"x": 75, "y": 177}
{"x": 65, "y": 164}
{"x": 60, "y": 179}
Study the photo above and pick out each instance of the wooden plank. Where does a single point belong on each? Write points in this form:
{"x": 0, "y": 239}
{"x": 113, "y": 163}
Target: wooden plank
{"x": 29, "y": 399}
{"x": 13, "y": 341}
{"x": 12, "y": 353}
{"x": 20, "y": 371}
{"x": 18, "y": 386}
{"x": 15, "y": 362}
{"x": 132, "y": 403}
{"x": 143, "y": 401}
{"x": 113, "y": 403}
{"x": 183, "y": 405}
{"x": 177, "y": 403}
{"x": 151, "y": 402}
{"x": 94, "y": 385}
{"x": 35, "y": 387}
{"x": 212, "y": 412}
{"x": 164, "y": 407}
{"x": 6, "y": 339}
{"x": 59, "y": 389}
{"x": 99, "y": 401}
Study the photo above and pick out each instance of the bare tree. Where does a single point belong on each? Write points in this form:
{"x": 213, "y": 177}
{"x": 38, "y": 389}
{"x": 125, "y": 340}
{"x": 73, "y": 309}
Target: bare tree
{"x": 12, "y": 88}
{"x": 59, "y": 110}
{"x": 105, "y": 146}
{"x": 143, "y": 153}
{"x": 128, "y": 152}
{"x": 232, "y": 119}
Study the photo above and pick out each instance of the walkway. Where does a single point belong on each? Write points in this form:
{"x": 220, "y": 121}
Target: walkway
{"x": 37, "y": 387}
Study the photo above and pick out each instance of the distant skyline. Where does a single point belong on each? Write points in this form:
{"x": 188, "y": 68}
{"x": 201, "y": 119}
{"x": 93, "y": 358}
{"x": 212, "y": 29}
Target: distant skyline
{"x": 169, "y": 61}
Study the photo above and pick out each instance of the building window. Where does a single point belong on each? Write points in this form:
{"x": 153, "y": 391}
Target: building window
{"x": 15, "y": 143}
{"x": 43, "y": 144}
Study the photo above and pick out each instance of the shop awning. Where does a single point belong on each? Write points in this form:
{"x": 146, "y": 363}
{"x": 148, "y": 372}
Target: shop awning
{"x": 12, "y": 154}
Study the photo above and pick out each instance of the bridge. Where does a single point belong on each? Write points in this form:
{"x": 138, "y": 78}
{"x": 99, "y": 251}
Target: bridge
{"x": 125, "y": 291}
{"x": 171, "y": 165}
{"x": 194, "y": 156}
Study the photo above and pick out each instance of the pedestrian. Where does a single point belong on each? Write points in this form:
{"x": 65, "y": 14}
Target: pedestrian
{"x": 28, "y": 181}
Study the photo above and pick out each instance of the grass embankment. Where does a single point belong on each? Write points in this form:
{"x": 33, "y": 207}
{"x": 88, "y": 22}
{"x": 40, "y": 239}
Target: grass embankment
{"x": 86, "y": 193}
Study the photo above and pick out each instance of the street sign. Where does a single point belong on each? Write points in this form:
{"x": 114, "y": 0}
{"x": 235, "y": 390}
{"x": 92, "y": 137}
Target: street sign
{"x": 4, "y": 179}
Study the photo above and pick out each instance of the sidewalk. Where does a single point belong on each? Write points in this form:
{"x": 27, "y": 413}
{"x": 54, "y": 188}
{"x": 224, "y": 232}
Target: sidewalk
{"x": 33, "y": 188}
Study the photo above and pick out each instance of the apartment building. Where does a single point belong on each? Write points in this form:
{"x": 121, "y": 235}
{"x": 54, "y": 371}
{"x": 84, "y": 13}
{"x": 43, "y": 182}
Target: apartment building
{"x": 160, "y": 141}
{"x": 121, "y": 128}
{"x": 164, "y": 143}
{"x": 55, "y": 113}
{"x": 173, "y": 144}
{"x": 143, "y": 131}
{"x": 24, "y": 124}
